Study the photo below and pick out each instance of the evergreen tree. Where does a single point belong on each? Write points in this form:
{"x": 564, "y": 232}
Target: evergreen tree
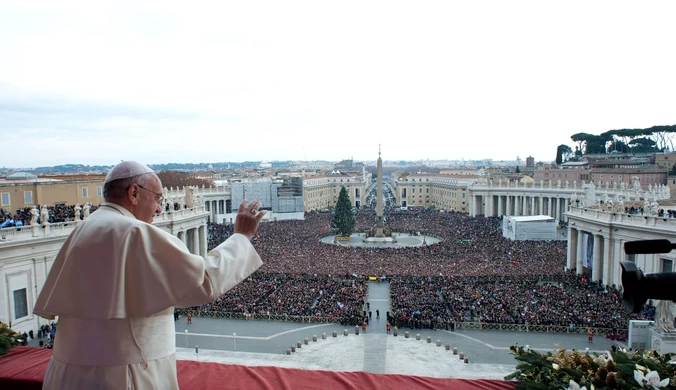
{"x": 672, "y": 171}
{"x": 343, "y": 219}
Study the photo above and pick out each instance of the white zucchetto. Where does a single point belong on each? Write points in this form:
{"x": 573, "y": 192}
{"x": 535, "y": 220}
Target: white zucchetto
{"x": 125, "y": 170}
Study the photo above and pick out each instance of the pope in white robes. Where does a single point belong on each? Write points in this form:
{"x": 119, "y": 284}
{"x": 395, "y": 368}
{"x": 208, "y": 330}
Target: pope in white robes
{"x": 117, "y": 279}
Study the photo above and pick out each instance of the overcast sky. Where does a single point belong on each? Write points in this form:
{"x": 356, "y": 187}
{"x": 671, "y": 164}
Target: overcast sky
{"x": 96, "y": 82}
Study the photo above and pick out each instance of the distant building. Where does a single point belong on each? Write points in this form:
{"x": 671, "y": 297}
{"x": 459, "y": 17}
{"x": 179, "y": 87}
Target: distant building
{"x": 20, "y": 190}
{"x": 530, "y": 161}
{"x": 665, "y": 161}
{"x": 277, "y": 195}
{"x": 570, "y": 172}
{"x": 348, "y": 165}
{"x": 445, "y": 192}
{"x": 321, "y": 192}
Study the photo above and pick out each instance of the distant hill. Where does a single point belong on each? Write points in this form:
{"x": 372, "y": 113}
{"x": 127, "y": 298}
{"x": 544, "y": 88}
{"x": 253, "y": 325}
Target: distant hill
{"x": 205, "y": 166}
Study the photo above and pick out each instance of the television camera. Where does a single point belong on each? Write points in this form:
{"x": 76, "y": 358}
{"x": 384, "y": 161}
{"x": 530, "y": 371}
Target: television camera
{"x": 638, "y": 288}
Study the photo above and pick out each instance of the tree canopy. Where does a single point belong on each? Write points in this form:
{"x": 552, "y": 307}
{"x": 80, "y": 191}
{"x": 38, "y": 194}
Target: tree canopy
{"x": 343, "y": 220}
{"x": 652, "y": 139}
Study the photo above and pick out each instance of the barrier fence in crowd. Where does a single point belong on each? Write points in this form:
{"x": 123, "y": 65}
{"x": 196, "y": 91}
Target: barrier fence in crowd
{"x": 537, "y": 328}
{"x": 458, "y": 325}
{"x": 256, "y": 316}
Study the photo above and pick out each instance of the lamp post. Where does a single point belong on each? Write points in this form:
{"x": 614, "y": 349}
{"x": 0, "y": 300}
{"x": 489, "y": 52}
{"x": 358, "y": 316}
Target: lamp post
{"x": 186, "y": 338}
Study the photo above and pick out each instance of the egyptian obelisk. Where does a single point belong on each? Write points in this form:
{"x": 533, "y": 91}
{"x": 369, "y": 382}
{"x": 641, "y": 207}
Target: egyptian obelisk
{"x": 379, "y": 198}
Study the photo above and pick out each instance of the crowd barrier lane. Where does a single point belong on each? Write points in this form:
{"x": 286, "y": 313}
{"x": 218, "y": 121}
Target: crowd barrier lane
{"x": 459, "y": 325}
{"x": 256, "y": 316}
{"x": 537, "y": 328}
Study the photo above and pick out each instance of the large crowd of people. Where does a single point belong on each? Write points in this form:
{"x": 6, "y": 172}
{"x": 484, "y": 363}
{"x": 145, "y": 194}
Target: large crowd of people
{"x": 57, "y": 213}
{"x": 469, "y": 247}
{"x": 566, "y": 299}
{"x": 473, "y": 274}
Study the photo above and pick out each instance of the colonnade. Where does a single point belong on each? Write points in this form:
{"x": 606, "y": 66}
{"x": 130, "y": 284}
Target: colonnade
{"x": 496, "y": 205}
{"x": 215, "y": 207}
{"x": 594, "y": 251}
{"x": 195, "y": 239}
{"x": 596, "y": 241}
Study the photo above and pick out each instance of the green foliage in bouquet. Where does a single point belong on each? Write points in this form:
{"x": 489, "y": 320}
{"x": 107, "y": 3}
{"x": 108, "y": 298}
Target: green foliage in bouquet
{"x": 8, "y": 338}
{"x": 575, "y": 370}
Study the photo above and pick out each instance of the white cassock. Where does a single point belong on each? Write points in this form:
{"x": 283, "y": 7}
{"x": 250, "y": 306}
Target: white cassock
{"x": 114, "y": 286}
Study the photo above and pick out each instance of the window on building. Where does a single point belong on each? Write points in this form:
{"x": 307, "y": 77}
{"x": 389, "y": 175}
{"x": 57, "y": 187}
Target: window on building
{"x": 85, "y": 192}
{"x": 5, "y": 198}
{"x": 20, "y": 303}
{"x": 667, "y": 265}
{"x": 28, "y": 197}
{"x": 99, "y": 191}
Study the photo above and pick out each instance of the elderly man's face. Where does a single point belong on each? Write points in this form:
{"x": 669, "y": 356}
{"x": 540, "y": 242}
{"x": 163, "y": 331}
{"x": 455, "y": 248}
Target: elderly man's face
{"x": 150, "y": 200}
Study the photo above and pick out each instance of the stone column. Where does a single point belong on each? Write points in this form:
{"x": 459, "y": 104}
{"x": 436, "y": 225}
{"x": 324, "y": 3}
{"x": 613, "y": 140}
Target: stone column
{"x": 524, "y": 210}
{"x": 552, "y": 207}
{"x": 188, "y": 240}
{"x": 597, "y": 265}
{"x": 578, "y": 255}
{"x": 203, "y": 240}
{"x": 500, "y": 212}
{"x": 541, "y": 202}
{"x": 571, "y": 261}
{"x": 617, "y": 270}
{"x": 487, "y": 207}
{"x": 195, "y": 241}
{"x": 181, "y": 236}
{"x": 532, "y": 205}
{"x": 608, "y": 263}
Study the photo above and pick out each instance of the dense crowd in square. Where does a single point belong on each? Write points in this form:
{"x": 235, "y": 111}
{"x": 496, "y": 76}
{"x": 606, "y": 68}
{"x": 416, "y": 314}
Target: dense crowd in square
{"x": 473, "y": 274}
